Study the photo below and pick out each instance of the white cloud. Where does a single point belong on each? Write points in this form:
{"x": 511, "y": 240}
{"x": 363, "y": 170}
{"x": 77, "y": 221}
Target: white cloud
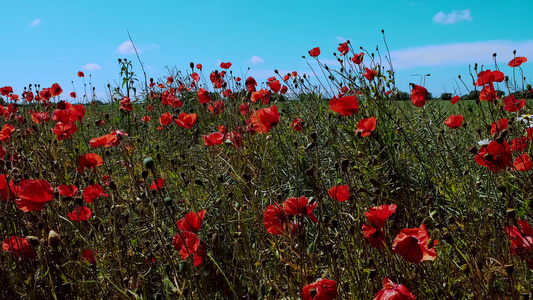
{"x": 256, "y": 60}
{"x": 91, "y": 67}
{"x": 455, "y": 16}
{"x": 341, "y": 39}
{"x": 126, "y": 48}
{"x": 460, "y": 54}
{"x": 35, "y": 22}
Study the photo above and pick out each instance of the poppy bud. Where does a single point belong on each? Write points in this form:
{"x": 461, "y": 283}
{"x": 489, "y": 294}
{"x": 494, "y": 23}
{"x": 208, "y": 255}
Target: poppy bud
{"x": 191, "y": 65}
{"x": 144, "y": 174}
{"x": 528, "y": 86}
{"x": 149, "y": 163}
{"x": 53, "y": 239}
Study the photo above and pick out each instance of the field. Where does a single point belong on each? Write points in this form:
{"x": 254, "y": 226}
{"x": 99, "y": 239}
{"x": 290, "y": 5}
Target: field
{"x": 204, "y": 185}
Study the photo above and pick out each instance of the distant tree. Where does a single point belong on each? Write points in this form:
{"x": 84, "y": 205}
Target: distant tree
{"x": 473, "y": 95}
{"x": 446, "y": 96}
{"x": 429, "y": 96}
{"x": 500, "y": 93}
{"x": 399, "y": 95}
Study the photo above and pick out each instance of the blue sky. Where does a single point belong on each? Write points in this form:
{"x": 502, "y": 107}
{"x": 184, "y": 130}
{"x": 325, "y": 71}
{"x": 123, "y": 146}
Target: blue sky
{"x": 50, "y": 41}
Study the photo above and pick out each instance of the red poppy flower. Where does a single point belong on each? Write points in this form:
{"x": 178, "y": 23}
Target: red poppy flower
{"x": 192, "y": 221}
{"x": 314, "y": 52}
{"x": 340, "y": 193}
{"x": 67, "y": 190}
{"x": 455, "y": 99}
{"x": 125, "y": 104}
{"x": 200, "y": 254}
{"x": 488, "y": 76}
{"x": 6, "y": 131}
{"x": 275, "y": 219}
{"x": 28, "y": 96}
{"x": 454, "y": 121}
{"x": 497, "y": 157}
{"x": 379, "y": 214}
{"x": 213, "y": 139}
{"x": 6, "y": 193}
{"x": 520, "y": 144}
{"x": 216, "y": 107}
{"x": 157, "y": 184}
{"x": 513, "y": 105}
{"x": 80, "y": 74}
{"x": 393, "y": 291}
{"x": 374, "y": 235}
{"x": 244, "y": 109}
{"x": 64, "y": 131}
{"x": 92, "y": 192}
{"x": 165, "y": 119}
{"x": 105, "y": 140}
{"x": 199, "y": 66}
{"x": 322, "y": 289}
{"x": 499, "y": 126}
{"x": 80, "y": 213}
{"x": 217, "y": 78}
{"x": 297, "y": 124}
{"x": 6, "y": 90}
{"x": 412, "y": 245}
{"x": 419, "y": 95}
{"x": 262, "y": 94}
{"x": 89, "y": 160}
{"x": 73, "y": 94}
{"x": 225, "y": 65}
{"x": 203, "y": 96}
{"x": 88, "y": 255}
{"x": 186, "y": 242}
{"x": 275, "y": 86}
{"x": 40, "y": 117}
{"x": 488, "y": 93}
{"x": 300, "y": 207}
{"x": 370, "y": 74}
{"x": 235, "y": 138}
{"x": 170, "y": 80}
{"x": 345, "y": 106}
{"x": 19, "y": 246}
{"x": 522, "y": 242}
{"x": 343, "y": 48}
{"x": 33, "y": 194}
{"x": 366, "y": 126}
{"x": 45, "y": 94}
{"x": 358, "y": 58}
{"x": 146, "y": 119}
{"x": 186, "y": 120}
{"x": 515, "y": 62}
{"x": 523, "y": 163}
{"x": 250, "y": 84}
{"x": 283, "y": 90}
{"x": 264, "y": 119}
{"x": 56, "y": 90}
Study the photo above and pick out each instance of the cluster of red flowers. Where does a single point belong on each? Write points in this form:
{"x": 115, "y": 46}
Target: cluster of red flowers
{"x": 277, "y": 218}
{"x": 66, "y": 115}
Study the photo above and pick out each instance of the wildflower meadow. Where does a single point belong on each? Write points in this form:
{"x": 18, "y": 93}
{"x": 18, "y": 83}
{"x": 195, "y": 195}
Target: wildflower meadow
{"x": 210, "y": 184}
